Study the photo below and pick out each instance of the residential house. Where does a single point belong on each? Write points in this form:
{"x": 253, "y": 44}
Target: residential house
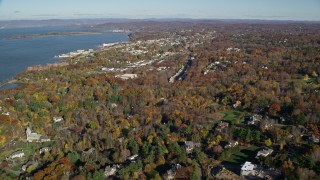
{"x": 114, "y": 105}
{"x": 190, "y": 145}
{"x": 252, "y": 171}
{"x": 199, "y": 126}
{"x": 57, "y": 119}
{"x": 222, "y": 126}
{"x": 264, "y": 152}
{"x": 313, "y": 138}
{"x": 232, "y": 144}
{"x": 111, "y": 170}
{"x": 44, "y": 149}
{"x": 266, "y": 123}
{"x": 127, "y": 76}
{"x": 29, "y": 163}
{"x": 18, "y": 154}
{"x": 237, "y": 104}
{"x": 248, "y": 169}
{"x": 32, "y": 136}
{"x": 254, "y": 119}
{"x": 171, "y": 173}
{"x": 89, "y": 151}
{"x": 44, "y": 139}
{"x": 133, "y": 157}
{"x": 24, "y": 167}
{"x": 35, "y": 137}
{"x": 6, "y": 113}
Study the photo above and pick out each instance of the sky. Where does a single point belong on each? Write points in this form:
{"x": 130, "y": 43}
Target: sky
{"x": 139, "y": 9}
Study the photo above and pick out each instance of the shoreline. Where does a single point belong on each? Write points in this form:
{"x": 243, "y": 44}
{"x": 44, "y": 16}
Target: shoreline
{"x": 12, "y": 81}
{"x": 16, "y": 83}
{"x": 26, "y": 36}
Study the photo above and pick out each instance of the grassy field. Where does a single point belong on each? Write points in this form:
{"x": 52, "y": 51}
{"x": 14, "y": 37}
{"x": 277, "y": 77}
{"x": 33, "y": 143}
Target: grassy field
{"x": 234, "y": 116}
{"x": 29, "y": 149}
{"x": 240, "y": 155}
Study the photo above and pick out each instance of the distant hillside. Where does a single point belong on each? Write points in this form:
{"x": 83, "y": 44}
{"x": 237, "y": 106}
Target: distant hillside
{"x": 56, "y": 22}
{"x": 108, "y": 21}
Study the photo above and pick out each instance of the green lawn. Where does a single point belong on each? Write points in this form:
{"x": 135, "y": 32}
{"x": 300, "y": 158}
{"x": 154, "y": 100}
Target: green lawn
{"x": 17, "y": 167}
{"x": 239, "y": 155}
{"x": 29, "y": 149}
{"x": 234, "y": 116}
{"x": 11, "y": 175}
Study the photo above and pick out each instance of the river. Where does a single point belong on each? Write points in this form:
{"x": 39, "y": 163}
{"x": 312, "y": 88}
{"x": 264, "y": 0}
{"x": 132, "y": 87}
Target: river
{"x": 17, "y": 54}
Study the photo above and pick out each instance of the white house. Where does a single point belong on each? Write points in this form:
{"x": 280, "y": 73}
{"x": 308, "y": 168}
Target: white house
{"x": 44, "y": 149}
{"x": 114, "y": 105}
{"x": 18, "y": 154}
{"x": 57, "y": 119}
{"x": 35, "y": 137}
{"x": 248, "y": 169}
{"x": 265, "y": 152}
{"x": 6, "y": 113}
{"x": 44, "y": 139}
{"x": 111, "y": 170}
{"x": 131, "y": 158}
{"x": 32, "y": 136}
{"x": 127, "y": 76}
{"x": 108, "y": 44}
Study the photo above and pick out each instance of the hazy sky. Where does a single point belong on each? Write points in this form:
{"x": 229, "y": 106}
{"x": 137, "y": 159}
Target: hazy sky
{"x": 211, "y": 9}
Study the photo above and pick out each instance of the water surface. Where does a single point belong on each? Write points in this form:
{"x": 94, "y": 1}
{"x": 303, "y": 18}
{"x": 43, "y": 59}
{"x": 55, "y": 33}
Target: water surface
{"x": 17, "y": 54}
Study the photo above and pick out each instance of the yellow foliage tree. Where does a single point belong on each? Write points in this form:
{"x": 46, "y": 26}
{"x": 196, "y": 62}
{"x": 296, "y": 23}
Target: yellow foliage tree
{"x": 149, "y": 167}
{"x": 268, "y": 142}
{"x": 66, "y": 147}
{"x": 314, "y": 74}
{"x": 116, "y": 132}
{"x": 2, "y": 140}
{"x": 150, "y": 138}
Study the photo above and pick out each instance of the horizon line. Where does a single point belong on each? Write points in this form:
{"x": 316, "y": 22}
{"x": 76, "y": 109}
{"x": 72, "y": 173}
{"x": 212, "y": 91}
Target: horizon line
{"x": 165, "y": 18}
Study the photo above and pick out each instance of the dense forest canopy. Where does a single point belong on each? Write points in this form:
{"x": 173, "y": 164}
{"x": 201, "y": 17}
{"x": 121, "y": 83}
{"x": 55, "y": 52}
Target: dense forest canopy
{"x": 193, "y": 89}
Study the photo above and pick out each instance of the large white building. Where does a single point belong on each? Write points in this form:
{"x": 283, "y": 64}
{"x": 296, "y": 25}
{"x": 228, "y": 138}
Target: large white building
{"x": 18, "y": 154}
{"x": 248, "y": 169}
{"x": 35, "y": 137}
{"x": 127, "y": 76}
